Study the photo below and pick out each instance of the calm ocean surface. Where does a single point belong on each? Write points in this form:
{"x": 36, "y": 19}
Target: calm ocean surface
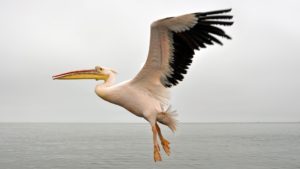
{"x": 96, "y": 146}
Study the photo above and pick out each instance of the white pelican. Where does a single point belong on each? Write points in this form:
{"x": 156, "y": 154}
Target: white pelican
{"x": 172, "y": 44}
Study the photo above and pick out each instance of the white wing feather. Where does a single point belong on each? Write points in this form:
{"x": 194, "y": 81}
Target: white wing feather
{"x": 160, "y": 52}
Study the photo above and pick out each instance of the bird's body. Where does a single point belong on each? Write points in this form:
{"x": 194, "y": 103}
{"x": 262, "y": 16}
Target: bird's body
{"x": 172, "y": 44}
{"x": 135, "y": 100}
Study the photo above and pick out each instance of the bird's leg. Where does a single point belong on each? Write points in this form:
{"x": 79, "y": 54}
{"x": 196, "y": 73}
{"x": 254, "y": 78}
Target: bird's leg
{"x": 157, "y": 156}
{"x": 164, "y": 142}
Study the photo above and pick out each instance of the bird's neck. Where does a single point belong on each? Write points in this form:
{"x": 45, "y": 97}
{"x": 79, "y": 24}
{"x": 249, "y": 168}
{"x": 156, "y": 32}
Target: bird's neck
{"x": 110, "y": 80}
{"x": 102, "y": 89}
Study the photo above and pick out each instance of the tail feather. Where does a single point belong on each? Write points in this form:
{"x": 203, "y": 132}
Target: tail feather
{"x": 168, "y": 118}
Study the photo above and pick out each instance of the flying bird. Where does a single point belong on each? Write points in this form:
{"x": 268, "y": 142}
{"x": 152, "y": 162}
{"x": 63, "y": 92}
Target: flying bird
{"x": 173, "y": 43}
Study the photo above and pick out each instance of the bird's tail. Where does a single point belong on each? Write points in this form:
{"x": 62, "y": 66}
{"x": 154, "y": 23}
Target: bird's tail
{"x": 168, "y": 118}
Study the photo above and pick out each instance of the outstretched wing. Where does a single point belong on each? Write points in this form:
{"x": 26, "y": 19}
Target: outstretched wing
{"x": 173, "y": 42}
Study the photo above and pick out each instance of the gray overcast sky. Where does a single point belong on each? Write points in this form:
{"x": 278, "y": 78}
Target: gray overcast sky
{"x": 254, "y": 77}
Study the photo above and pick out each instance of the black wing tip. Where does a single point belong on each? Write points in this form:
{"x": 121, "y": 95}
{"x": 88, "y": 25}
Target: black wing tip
{"x": 227, "y": 10}
{"x": 200, "y": 36}
{"x": 228, "y": 37}
{"x": 214, "y": 12}
{"x": 223, "y": 23}
{"x": 215, "y": 17}
{"x": 219, "y": 11}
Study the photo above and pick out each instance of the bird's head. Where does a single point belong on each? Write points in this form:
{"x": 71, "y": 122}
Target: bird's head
{"x": 99, "y": 73}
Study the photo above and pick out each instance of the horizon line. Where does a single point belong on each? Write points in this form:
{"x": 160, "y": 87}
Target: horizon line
{"x": 74, "y": 122}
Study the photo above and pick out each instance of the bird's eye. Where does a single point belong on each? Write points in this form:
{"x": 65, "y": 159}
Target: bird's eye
{"x": 98, "y": 68}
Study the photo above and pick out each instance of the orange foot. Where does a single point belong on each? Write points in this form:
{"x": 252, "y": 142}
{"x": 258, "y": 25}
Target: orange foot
{"x": 165, "y": 143}
{"x": 157, "y": 156}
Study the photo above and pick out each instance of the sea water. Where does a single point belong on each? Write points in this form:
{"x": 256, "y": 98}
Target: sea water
{"x": 96, "y": 146}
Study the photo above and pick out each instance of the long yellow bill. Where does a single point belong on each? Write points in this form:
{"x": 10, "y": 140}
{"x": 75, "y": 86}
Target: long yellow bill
{"x": 81, "y": 74}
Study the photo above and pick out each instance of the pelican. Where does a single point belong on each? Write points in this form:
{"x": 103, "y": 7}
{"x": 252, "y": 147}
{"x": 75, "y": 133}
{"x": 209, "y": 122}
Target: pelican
{"x": 173, "y": 43}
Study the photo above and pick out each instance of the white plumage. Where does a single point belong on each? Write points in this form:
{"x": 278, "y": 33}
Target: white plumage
{"x": 172, "y": 44}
